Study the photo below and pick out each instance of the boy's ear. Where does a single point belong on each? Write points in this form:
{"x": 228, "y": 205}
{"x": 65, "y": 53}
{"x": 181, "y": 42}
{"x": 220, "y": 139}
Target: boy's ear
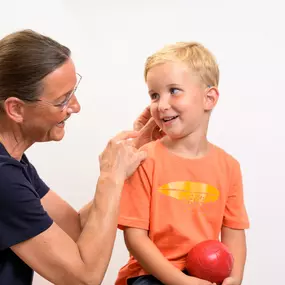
{"x": 14, "y": 109}
{"x": 211, "y": 97}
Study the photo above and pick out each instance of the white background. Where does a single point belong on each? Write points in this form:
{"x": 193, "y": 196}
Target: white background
{"x": 110, "y": 41}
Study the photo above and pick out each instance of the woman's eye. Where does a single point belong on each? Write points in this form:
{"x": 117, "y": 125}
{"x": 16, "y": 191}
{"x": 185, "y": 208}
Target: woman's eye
{"x": 63, "y": 100}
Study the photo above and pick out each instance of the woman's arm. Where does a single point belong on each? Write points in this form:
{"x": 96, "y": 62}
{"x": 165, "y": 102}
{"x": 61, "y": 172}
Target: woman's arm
{"x": 62, "y": 214}
{"x": 61, "y": 260}
{"x": 71, "y": 221}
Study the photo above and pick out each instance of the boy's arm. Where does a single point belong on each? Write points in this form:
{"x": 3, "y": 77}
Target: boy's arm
{"x": 152, "y": 260}
{"x": 235, "y": 240}
{"x": 234, "y": 224}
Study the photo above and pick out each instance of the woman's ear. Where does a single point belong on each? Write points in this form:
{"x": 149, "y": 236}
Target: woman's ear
{"x": 14, "y": 108}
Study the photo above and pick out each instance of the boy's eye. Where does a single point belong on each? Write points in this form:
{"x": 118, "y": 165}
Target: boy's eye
{"x": 154, "y": 96}
{"x": 174, "y": 90}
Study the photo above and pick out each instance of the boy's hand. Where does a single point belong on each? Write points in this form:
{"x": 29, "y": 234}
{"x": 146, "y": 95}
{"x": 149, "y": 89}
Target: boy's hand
{"x": 231, "y": 281}
{"x": 197, "y": 281}
{"x": 203, "y": 282}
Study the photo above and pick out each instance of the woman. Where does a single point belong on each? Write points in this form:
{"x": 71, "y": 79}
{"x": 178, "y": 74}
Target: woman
{"x": 38, "y": 230}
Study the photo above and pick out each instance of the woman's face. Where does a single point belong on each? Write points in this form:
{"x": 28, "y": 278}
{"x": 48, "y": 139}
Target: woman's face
{"x": 45, "y": 119}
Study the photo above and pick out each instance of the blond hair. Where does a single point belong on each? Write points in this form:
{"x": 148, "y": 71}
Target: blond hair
{"x": 199, "y": 59}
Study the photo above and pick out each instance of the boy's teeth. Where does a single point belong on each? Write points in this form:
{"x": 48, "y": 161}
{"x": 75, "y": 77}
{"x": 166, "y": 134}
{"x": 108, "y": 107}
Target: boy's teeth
{"x": 169, "y": 118}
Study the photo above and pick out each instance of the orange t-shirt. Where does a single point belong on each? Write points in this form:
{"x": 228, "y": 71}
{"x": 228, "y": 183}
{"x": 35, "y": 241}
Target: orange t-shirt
{"x": 181, "y": 202}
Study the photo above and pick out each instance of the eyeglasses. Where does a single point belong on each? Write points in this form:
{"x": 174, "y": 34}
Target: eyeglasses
{"x": 63, "y": 103}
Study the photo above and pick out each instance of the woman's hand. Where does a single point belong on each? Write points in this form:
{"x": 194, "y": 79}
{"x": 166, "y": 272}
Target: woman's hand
{"x": 147, "y": 128}
{"x": 120, "y": 158}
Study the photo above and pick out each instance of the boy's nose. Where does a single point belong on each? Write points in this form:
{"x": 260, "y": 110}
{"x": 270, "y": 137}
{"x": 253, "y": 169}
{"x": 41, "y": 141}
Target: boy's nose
{"x": 163, "y": 105}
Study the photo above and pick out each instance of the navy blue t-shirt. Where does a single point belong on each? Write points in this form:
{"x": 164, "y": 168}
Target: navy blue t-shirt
{"x": 21, "y": 215}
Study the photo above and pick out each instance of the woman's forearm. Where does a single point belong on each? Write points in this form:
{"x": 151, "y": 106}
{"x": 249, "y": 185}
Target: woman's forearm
{"x": 98, "y": 234}
{"x": 83, "y": 214}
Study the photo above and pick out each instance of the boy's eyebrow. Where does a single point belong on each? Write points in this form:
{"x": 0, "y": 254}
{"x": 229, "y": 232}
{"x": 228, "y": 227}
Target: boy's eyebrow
{"x": 168, "y": 85}
{"x": 173, "y": 84}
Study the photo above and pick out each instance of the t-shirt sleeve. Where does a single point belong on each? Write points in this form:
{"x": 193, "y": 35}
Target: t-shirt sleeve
{"x": 39, "y": 184}
{"x": 235, "y": 215}
{"x": 21, "y": 213}
{"x": 135, "y": 199}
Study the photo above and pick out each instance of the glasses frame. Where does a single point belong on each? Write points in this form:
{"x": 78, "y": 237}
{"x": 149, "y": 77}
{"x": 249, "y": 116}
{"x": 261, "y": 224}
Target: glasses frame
{"x": 63, "y": 104}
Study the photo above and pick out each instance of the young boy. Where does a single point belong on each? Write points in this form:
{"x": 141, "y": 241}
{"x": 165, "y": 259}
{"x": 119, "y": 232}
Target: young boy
{"x": 187, "y": 190}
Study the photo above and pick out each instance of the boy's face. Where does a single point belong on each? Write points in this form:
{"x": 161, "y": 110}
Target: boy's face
{"x": 180, "y": 103}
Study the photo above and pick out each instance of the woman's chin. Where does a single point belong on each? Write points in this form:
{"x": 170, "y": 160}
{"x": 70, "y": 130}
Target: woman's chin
{"x": 55, "y": 134}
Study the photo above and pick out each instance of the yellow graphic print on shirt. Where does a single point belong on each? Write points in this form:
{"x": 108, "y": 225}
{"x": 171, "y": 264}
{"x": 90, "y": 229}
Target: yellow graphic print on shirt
{"x": 190, "y": 192}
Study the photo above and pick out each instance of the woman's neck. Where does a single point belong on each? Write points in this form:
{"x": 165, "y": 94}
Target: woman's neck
{"x": 13, "y": 140}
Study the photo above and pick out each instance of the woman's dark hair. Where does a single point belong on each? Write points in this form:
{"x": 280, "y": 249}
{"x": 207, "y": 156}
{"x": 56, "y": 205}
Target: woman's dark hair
{"x": 26, "y": 57}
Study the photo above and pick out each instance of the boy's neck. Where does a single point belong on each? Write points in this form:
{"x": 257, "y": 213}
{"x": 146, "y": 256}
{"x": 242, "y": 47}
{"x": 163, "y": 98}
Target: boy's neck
{"x": 194, "y": 145}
